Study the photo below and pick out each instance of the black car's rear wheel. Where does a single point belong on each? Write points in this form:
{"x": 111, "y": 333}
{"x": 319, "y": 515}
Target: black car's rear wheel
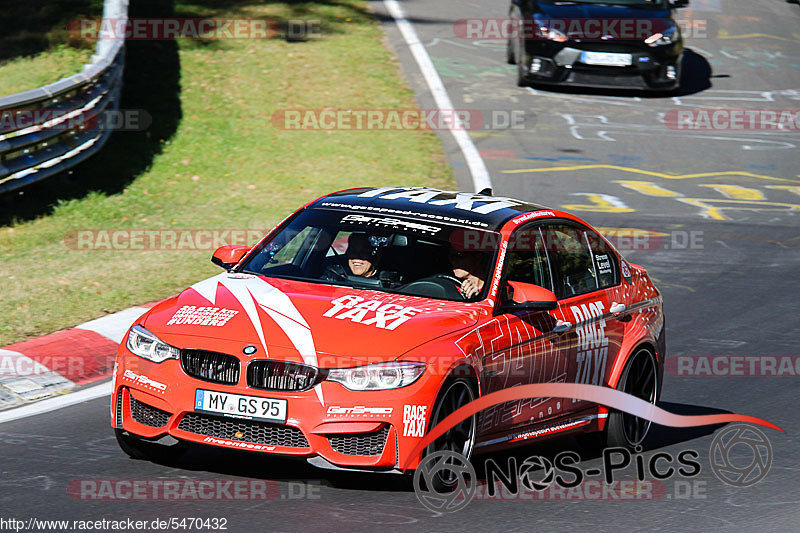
{"x": 137, "y": 448}
{"x": 522, "y": 67}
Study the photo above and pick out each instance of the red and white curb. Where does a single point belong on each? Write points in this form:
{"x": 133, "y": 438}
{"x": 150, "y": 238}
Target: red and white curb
{"x": 57, "y": 363}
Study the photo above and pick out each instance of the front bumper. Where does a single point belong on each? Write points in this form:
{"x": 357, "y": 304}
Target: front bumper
{"x": 650, "y": 69}
{"x": 348, "y": 429}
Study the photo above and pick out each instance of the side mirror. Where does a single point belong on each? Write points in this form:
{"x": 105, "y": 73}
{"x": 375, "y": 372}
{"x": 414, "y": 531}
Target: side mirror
{"x": 526, "y": 296}
{"x": 227, "y": 256}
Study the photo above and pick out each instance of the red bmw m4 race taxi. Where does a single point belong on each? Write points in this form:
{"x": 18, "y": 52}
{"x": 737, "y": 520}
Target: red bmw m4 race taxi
{"x": 369, "y": 315}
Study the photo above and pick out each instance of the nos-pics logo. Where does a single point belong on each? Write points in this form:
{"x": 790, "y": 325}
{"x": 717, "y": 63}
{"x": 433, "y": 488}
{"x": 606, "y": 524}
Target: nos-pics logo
{"x": 445, "y": 481}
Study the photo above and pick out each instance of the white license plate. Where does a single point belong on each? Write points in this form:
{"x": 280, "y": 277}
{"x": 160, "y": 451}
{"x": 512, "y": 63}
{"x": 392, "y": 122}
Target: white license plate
{"x": 606, "y": 58}
{"x": 252, "y": 407}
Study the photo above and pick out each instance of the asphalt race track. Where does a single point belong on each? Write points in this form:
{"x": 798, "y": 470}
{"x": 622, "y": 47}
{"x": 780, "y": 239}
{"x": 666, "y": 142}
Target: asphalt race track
{"x": 725, "y": 251}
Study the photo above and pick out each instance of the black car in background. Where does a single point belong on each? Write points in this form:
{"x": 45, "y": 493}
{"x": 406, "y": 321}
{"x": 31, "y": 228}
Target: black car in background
{"x": 621, "y": 44}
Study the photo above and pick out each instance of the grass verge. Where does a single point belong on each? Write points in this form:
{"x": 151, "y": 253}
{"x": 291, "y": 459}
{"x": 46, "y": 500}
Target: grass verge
{"x": 211, "y": 160}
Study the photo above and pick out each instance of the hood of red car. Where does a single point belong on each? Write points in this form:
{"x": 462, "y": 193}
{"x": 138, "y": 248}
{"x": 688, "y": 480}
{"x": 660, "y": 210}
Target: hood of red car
{"x": 318, "y": 324}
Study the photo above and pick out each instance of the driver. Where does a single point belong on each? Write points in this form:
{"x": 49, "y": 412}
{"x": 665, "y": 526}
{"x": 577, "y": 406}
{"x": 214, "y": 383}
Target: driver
{"x": 362, "y": 260}
{"x": 468, "y": 268}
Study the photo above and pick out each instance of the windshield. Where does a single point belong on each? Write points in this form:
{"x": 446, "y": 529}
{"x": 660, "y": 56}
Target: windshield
{"x": 655, "y": 4}
{"x": 410, "y": 256}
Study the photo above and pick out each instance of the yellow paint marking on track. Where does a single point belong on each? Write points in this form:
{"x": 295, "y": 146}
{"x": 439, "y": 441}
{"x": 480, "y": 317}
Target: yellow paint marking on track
{"x": 600, "y": 203}
{"x": 651, "y": 173}
{"x": 791, "y": 188}
{"x": 724, "y": 34}
{"x": 715, "y": 212}
{"x": 736, "y": 192}
{"x": 648, "y": 188}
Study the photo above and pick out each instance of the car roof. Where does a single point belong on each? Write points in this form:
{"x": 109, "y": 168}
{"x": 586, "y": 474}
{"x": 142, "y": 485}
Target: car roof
{"x": 452, "y": 207}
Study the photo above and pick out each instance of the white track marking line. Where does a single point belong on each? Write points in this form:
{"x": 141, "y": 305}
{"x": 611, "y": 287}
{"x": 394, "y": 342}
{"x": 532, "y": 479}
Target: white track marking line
{"x": 477, "y": 167}
{"x": 114, "y": 326}
{"x": 53, "y": 404}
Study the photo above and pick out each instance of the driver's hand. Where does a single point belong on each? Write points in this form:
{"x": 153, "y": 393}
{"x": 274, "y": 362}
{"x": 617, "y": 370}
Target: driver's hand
{"x": 470, "y": 288}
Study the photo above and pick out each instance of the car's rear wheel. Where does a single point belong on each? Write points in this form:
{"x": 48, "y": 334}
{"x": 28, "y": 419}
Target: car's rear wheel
{"x": 460, "y": 439}
{"x": 640, "y": 379}
{"x": 137, "y": 448}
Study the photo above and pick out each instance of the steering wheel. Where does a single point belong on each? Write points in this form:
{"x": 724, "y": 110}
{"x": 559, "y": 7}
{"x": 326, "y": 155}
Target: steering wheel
{"x": 455, "y": 280}
{"x": 435, "y": 287}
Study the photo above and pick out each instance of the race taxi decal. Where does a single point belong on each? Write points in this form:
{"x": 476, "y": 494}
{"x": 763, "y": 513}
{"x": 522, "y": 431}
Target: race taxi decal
{"x": 202, "y": 316}
{"x": 144, "y": 381}
{"x": 359, "y": 410}
{"x": 414, "y": 420}
{"x": 370, "y": 312}
{"x": 464, "y": 201}
{"x": 592, "y": 343}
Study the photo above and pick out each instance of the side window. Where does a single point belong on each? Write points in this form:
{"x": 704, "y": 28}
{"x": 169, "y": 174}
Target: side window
{"x": 571, "y": 260}
{"x": 526, "y": 259}
{"x": 605, "y": 261}
{"x": 287, "y": 251}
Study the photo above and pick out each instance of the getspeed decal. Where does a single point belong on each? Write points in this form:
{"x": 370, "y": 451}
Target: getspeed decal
{"x": 144, "y": 381}
{"x": 394, "y": 223}
{"x": 370, "y": 312}
{"x": 359, "y": 410}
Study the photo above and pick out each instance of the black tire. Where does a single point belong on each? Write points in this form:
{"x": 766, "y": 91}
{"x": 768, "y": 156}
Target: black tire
{"x": 640, "y": 378}
{"x": 461, "y": 439}
{"x": 522, "y": 69}
{"x": 141, "y": 449}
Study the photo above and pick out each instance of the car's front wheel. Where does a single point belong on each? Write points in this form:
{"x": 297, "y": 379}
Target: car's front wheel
{"x": 137, "y": 448}
{"x": 459, "y": 439}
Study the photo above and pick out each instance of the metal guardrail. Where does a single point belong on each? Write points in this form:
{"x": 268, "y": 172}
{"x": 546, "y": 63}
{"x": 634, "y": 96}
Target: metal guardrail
{"x": 49, "y": 146}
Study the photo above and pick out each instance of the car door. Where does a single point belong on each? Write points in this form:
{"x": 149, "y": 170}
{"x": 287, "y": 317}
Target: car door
{"x": 585, "y": 274}
{"x": 521, "y": 347}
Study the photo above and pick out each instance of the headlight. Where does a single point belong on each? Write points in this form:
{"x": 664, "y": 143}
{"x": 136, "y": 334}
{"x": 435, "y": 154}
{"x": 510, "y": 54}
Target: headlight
{"x": 551, "y": 34}
{"x": 144, "y": 344}
{"x": 668, "y": 36}
{"x": 381, "y": 376}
